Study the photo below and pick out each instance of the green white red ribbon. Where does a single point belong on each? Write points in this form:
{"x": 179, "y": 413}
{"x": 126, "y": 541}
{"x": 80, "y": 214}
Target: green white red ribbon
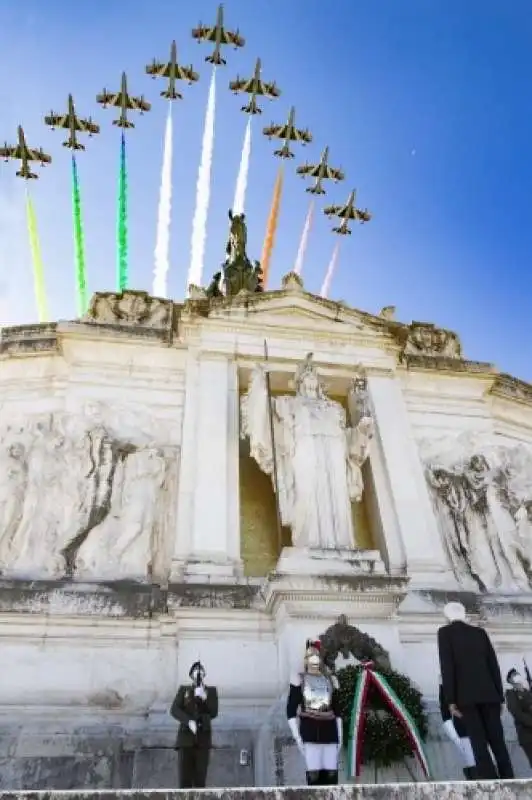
{"x": 368, "y": 678}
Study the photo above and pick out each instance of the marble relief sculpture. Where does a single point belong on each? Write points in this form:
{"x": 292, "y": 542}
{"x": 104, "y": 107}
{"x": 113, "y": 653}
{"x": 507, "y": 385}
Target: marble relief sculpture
{"x": 483, "y": 500}
{"x": 85, "y": 494}
{"x": 318, "y": 458}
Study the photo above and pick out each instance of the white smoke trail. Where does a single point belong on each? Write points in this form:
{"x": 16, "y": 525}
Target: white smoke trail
{"x": 330, "y": 271}
{"x": 203, "y": 191}
{"x": 304, "y": 239}
{"x": 162, "y": 244}
{"x": 242, "y": 180}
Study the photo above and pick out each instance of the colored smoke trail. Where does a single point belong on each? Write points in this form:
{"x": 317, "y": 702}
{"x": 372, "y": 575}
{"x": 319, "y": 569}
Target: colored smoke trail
{"x": 121, "y": 266}
{"x": 36, "y": 258}
{"x": 271, "y": 226}
{"x": 330, "y": 271}
{"x": 79, "y": 243}
{"x": 162, "y": 244}
{"x": 243, "y": 172}
{"x": 203, "y": 191}
{"x": 304, "y": 239}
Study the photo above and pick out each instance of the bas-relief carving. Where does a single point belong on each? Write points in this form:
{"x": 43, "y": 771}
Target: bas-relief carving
{"x": 131, "y": 308}
{"x": 482, "y": 492}
{"x": 318, "y": 458}
{"x": 423, "y": 338}
{"x": 89, "y": 494}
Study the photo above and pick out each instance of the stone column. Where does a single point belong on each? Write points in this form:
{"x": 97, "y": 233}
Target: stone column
{"x": 207, "y": 541}
{"x": 426, "y": 560}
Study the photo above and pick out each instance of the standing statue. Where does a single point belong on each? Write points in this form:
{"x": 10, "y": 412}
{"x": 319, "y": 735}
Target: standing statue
{"x": 318, "y": 459}
{"x": 238, "y": 238}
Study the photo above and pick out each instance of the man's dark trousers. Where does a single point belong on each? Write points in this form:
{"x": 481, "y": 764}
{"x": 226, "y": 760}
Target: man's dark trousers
{"x": 484, "y": 727}
{"x": 193, "y": 765}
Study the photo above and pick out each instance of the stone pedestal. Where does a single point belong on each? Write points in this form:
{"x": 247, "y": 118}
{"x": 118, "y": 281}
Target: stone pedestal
{"x": 318, "y": 562}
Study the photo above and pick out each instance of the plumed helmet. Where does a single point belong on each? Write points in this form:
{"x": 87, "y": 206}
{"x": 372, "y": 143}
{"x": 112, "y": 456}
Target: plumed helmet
{"x": 196, "y": 666}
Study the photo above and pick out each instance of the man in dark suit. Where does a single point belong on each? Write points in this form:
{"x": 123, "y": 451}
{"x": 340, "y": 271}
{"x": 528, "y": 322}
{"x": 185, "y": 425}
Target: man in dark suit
{"x": 519, "y": 704}
{"x": 194, "y": 707}
{"x": 472, "y": 686}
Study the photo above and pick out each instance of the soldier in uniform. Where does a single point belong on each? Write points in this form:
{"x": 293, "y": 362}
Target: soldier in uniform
{"x": 194, "y": 707}
{"x": 314, "y": 718}
{"x": 519, "y": 704}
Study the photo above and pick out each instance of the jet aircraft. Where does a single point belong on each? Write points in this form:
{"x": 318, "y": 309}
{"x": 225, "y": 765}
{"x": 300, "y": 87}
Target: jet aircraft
{"x": 21, "y": 152}
{"x": 219, "y": 35}
{"x": 346, "y": 213}
{"x": 321, "y": 172}
{"x": 125, "y": 102}
{"x": 73, "y": 124}
{"x": 254, "y": 86}
{"x": 289, "y": 133}
{"x": 174, "y": 72}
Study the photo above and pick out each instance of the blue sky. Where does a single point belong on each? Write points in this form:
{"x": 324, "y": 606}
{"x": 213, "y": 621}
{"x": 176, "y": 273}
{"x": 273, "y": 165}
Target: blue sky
{"x": 426, "y": 105}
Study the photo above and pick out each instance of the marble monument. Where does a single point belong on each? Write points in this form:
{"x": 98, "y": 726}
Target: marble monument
{"x": 221, "y": 479}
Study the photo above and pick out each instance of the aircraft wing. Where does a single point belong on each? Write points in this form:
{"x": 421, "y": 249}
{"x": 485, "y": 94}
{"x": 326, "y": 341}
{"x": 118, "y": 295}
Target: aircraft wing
{"x": 333, "y": 211}
{"x": 364, "y": 215}
{"x": 57, "y": 121}
{"x": 137, "y": 103}
{"x": 37, "y": 155}
{"x": 205, "y": 33}
{"x": 269, "y": 89}
{"x": 188, "y": 74}
{"x": 109, "y": 98}
{"x": 159, "y": 69}
{"x": 241, "y": 85}
{"x": 10, "y": 152}
{"x": 228, "y": 37}
{"x": 280, "y": 131}
{"x": 334, "y": 174}
{"x": 302, "y": 136}
{"x": 308, "y": 169}
{"x": 87, "y": 126}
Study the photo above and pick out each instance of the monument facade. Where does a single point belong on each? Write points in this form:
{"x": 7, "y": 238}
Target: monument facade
{"x": 220, "y": 480}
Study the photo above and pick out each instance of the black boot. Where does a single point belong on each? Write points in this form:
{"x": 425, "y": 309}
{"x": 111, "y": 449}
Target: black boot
{"x": 330, "y": 777}
{"x": 313, "y": 778}
{"x": 469, "y": 773}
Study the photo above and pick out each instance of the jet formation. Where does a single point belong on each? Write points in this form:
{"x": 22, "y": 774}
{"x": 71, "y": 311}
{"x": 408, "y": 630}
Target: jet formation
{"x": 74, "y": 124}
{"x": 220, "y": 36}
{"x": 321, "y": 172}
{"x": 174, "y": 72}
{"x": 347, "y": 213}
{"x": 256, "y": 87}
{"x": 125, "y": 102}
{"x": 21, "y": 152}
{"x": 289, "y": 133}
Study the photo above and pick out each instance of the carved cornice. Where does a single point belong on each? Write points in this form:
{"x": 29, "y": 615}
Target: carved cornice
{"x": 510, "y": 388}
{"x": 29, "y": 340}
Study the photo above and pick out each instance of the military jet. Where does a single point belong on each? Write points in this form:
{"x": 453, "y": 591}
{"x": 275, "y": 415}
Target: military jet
{"x": 21, "y": 152}
{"x": 321, "y": 172}
{"x": 174, "y": 72}
{"x": 254, "y": 86}
{"x": 125, "y": 102}
{"x": 346, "y": 213}
{"x": 72, "y": 123}
{"x": 289, "y": 133}
{"x": 220, "y": 36}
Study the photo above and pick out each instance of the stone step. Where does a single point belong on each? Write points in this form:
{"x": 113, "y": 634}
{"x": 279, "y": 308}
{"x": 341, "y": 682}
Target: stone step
{"x": 483, "y": 790}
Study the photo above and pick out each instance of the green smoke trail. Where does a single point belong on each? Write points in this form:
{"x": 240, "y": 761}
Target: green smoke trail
{"x": 122, "y": 276}
{"x": 38, "y": 269}
{"x": 79, "y": 243}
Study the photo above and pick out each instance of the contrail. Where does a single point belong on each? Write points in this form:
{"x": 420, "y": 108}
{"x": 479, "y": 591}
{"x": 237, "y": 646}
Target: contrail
{"x": 242, "y": 180}
{"x": 36, "y": 259}
{"x": 330, "y": 271}
{"x": 203, "y": 191}
{"x": 271, "y": 226}
{"x": 162, "y": 244}
{"x": 304, "y": 239}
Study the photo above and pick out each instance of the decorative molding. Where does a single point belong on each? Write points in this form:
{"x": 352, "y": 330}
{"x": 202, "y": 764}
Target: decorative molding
{"x": 29, "y": 340}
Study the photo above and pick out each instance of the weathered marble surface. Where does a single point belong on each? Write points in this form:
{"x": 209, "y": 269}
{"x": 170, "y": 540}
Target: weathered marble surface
{"x": 492, "y": 790}
{"x": 90, "y": 492}
{"x": 482, "y": 491}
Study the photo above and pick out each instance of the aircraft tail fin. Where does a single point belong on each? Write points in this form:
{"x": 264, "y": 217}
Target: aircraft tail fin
{"x": 25, "y": 173}
{"x": 342, "y": 230}
{"x": 215, "y": 58}
{"x": 315, "y": 189}
{"x": 284, "y": 152}
{"x": 123, "y": 123}
{"x": 171, "y": 94}
{"x": 74, "y": 145}
{"x": 251, "y": 108}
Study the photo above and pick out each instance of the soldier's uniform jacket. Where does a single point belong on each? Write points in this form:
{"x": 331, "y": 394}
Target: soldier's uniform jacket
{"x": 519, "y": 704}
{"x": 187, "y": 707}
{"x": 315, "y": 700}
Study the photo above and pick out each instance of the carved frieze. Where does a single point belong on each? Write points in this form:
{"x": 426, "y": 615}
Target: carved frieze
{"x": 425, "y": 339}
{"x": 29, "y": 339}
{"x": 134, "y": 310}
{"x": 482, "y": 492}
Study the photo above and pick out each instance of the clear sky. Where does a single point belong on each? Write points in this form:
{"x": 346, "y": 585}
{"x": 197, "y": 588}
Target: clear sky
{"x": 425, "y": 104}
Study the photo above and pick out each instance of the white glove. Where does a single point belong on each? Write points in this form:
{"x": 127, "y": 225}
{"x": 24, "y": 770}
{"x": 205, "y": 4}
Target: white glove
{"x": 294, "y": 730}
{"x": 193, "y": 726}
{"x": 200, "y": 692}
